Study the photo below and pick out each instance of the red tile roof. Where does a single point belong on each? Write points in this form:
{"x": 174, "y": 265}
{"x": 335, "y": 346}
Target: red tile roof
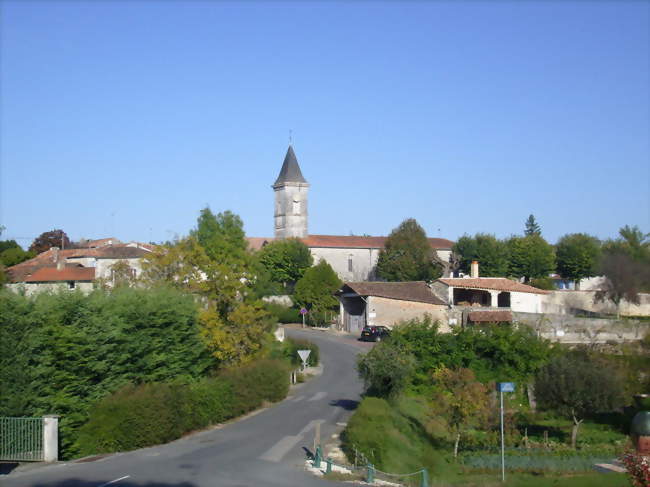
{"x": 20, "y": 272}
{"x": 489, "y": 316}
{"x": 256, "y": 243}
{"x": 52, "y": 274}
{"x": 493, "y": 284}
{"x": 352, "y": 241}
{"x": 405, "y": 291}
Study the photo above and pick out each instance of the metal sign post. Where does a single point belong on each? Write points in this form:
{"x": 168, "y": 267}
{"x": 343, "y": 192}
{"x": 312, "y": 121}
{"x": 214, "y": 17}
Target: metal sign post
{"x": 503, "y": 387}
{"x": 303, "y": 312}
{"x": 304, "y": 355}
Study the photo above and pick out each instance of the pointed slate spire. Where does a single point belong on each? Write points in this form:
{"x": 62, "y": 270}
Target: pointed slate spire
{"x": 290, "y": 172}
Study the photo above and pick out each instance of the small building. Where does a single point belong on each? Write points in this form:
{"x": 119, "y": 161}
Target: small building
{"x": 387, "y": 304}
{"x": 54, "y": 278}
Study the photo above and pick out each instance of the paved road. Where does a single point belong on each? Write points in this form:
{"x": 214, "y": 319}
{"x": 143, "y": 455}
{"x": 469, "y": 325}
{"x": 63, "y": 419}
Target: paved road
{"x": 265, "y": 449}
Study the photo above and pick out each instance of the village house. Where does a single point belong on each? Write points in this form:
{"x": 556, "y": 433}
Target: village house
{"x": 77, "y": 268}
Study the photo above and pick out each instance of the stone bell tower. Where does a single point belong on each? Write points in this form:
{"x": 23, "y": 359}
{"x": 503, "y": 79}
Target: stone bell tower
{"x": 291, "y": 190}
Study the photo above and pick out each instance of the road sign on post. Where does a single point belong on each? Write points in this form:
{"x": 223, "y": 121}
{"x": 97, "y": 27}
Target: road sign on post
{"x": 303, "y": 312}
{"x": 304, "y": 355}
{"x": 503, "y": 387}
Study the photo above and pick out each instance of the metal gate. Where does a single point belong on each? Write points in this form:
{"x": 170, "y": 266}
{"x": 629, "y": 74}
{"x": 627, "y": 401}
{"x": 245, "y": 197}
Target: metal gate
{"x": 21, "y": 439}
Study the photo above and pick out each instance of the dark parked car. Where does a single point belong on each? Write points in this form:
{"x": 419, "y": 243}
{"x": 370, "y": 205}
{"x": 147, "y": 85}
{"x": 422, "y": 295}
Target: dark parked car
{"x": 374, "y": 333}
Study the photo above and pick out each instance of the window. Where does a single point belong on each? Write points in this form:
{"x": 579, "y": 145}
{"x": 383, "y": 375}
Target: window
{"x": 350, "y": 264}
{"x": 296, "y": 207}
{"x": 71, "y": 284}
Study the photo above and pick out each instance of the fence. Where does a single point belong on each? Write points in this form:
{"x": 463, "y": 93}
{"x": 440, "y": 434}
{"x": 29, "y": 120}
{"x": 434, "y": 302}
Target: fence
{"x": 29, "y": 439}
{"x": 21, "y": 439}
{"x": 419, "y": 478}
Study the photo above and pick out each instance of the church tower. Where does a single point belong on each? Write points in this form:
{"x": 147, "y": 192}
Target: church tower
{"x": 290, "y": 199}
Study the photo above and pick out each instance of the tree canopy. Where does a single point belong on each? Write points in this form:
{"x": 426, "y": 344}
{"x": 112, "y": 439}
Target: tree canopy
{"x": 492, "y": 254}
{"x": 407, "y": 255}
{"x": 286, "y": 261}
{"x": 531, "y": 257}
{"x": 315, "y": 290}
{"x": 47, "y": 240}
{"x": 578, "y": 255}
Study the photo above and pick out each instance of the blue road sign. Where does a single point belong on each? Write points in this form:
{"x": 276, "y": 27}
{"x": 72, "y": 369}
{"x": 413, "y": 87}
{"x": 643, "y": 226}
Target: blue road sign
{"x": 506, "y": 386}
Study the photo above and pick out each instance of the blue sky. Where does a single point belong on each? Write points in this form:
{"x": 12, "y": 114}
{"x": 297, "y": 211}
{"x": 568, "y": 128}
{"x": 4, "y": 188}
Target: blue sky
{"x": 126, "y": 118}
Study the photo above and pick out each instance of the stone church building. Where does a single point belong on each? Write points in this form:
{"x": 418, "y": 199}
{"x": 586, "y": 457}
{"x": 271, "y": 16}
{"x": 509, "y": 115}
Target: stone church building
{"x": 353, "y": 258}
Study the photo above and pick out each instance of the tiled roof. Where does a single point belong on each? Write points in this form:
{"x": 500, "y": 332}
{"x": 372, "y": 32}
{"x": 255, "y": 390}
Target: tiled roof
{"x": 290, "y": 172}
{"x": 52, "y": 274}
{"x": 101, "y": 242}
{"x": 492, "y": 284}
{"x": 405, "y": 291}
{"x": 489, "y": 316}
{"x": 344, "y": 241}
{"x": 20, "y": 272}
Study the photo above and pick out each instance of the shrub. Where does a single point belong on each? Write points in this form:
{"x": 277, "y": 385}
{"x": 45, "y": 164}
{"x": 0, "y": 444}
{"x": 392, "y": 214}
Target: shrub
{"x": 151, "y": 414}
{"x": 543, "y": 283}
{"x": 385, "y": 370}
{"x": 284, "y": 314}
{"x": 252, "y": 384}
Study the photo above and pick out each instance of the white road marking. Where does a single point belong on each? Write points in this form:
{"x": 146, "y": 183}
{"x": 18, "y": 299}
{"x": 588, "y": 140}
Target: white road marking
{"x": 281, "y": 448}
{"x": 318, "y": 396}
{"x": 310, "y": 426}
{"x": 114, "y": 481}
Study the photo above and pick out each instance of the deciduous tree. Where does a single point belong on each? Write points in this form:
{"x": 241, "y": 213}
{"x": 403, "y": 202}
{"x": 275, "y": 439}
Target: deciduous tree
{"x": 491, "y": 253}
{"x": 315, "y": 290}
{"x": 531, "y": 257}
{"x": 286, "y": 260}
{"x": 578, "y": 256}
{"x": 407, "y": 255}
{"x": 578, "y": 385}
{"x": 386, "y": 370}
{"x": 47, "y": 240}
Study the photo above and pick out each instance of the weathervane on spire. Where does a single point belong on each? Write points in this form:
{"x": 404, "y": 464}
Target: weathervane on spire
{"x": 290, "y": 137}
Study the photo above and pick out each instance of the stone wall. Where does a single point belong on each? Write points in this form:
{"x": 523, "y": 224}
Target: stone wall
{"x": 363, "y": 262}
{"x": 291, "y": 213}
{"x": 36, "y": 287}
{"x": 574, "y": 330}
{"x": 389, "y": 312}
{"x": 572, "y": 302}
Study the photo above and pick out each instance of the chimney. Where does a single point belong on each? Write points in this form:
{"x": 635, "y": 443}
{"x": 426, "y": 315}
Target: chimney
{"x": 55, "y": 254}
{"x": 60, "y": 264}
{"x": 474, "y": 269}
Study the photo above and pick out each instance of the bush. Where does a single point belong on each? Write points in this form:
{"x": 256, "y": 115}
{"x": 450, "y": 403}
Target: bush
{"x": 385, "y": 370}
{"x": 284, "y": 314}
{"x": 255, "y": 383}
{"x": 543, "y": 283}
{"x": 151, "y": 414}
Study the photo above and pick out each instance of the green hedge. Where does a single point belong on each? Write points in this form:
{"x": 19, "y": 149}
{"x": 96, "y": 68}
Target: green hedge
{"x": 150, "y": 414}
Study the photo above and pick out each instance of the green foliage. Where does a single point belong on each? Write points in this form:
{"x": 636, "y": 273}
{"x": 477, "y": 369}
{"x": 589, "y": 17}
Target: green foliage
{"x": 625, "y": 278}
{"x": 286, "y": 260}
{"x": 532, "y": 227}
{"x": 385, "y": 369}
{"x": 503, "y": 352}
{"x": 492, "y": 254}
{"x": 543, "y": 283}
{"x": 315, "y": 290}
{"x": 222, "y": 236}
{"x": 407, "y": 255}
{"x": 150, "y": 414}
{"x": 257, "y": 382}
{"x": 62, "y": 352}
{"x": 578, "y": 384}
{"x": 578, "y": 255}
{"x": 46, "y": 240}
{"x": 284, "y": 314}
{"x": 14, "y": 255}
{"x": 531, "y": 257}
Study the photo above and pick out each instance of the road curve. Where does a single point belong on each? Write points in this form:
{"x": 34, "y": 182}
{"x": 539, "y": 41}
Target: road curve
{"x": 263, "y": 449}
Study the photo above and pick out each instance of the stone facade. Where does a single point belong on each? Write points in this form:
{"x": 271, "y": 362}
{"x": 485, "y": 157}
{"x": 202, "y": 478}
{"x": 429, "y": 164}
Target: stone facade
{"x": 391, "y": 312}
{"x": 290, "y": 215}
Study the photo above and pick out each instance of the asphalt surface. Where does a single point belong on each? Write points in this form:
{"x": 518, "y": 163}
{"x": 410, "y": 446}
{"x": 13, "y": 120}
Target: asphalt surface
{"x": 264, "y": 449}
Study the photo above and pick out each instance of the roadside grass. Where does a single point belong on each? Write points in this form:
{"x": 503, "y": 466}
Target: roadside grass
{"x": 399, "y": 437}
